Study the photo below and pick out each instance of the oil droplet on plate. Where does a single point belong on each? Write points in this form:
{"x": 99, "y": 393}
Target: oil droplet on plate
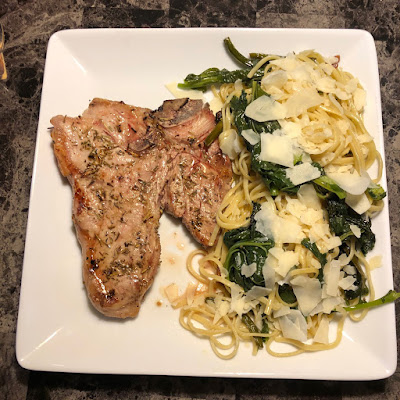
{"x": 171, "y": 260}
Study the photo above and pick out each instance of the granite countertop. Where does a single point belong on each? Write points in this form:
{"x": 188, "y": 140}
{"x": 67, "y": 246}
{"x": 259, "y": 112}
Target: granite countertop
{"x": 28, "y": 25}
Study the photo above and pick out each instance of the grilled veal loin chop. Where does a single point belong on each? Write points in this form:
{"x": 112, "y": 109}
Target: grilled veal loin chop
{"x": 126, "y": 165}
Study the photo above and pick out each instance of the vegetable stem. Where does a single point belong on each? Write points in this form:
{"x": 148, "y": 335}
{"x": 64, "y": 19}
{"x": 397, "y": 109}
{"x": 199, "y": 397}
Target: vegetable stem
{"x": 389, "y": 297}
{"x": 251, "y": 326}
{"x": 236, "y": 54}
{"x": 213, "y": 134}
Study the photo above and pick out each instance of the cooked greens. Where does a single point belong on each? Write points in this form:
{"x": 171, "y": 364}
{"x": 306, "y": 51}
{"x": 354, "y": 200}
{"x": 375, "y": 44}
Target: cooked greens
{"x": 389, "y": 297}
{"x": 314, "y": 249}
{"x": 252, "y": 328}
{"x": 273, "y": 175}
{"x": 213, "y": 134}
{"x": 360, "y": 287}
{"x": 212, "y": 76}
{"x": 245, "y": 247}
{"x": 376, "y": 192}
{"x": 341, "y": 217}
{"x": 286, "y": 293}
{"x": 328, "y": 184}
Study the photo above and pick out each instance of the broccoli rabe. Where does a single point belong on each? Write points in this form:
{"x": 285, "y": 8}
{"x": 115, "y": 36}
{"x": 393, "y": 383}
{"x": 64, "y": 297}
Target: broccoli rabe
{"x": 341, "y": 216}
{"x": 212, "y": 76}
{"x": 247, "y": 246}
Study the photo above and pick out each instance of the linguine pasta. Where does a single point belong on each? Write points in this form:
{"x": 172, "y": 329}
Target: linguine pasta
{"x": 329, "y": 132}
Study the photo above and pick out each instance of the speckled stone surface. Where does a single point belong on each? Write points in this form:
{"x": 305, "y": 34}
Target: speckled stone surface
{"x": 28, "y": 25}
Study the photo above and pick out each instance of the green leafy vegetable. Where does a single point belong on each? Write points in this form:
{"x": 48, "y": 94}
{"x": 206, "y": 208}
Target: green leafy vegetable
{"x": 256, "y": 91}
{"x": 242, "y": 122}
{"x": 213, "y": 134}
{"x": 389, "y": 297}
{"x": 376, "y": 192}
{"x": 212, "y": 76}
{"x": 236, "y": 54}
{"x": 314, "y": 249}
{"x": 361, "y": 288}
{"x": 273, "y": 175}
{"x": 286, "y": 293}
{"x": 327, "y": 183}
{"x": 341, "y": 216}
{"x": 252, "y": 328}
{"x": 246, "y": 246}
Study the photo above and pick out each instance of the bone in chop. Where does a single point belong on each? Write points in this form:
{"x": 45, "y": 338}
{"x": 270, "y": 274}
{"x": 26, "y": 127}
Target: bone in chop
{"x": 126, "y": 165}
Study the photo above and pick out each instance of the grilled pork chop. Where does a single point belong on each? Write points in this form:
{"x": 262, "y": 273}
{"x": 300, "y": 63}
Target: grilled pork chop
{"x": 126, "y": 165}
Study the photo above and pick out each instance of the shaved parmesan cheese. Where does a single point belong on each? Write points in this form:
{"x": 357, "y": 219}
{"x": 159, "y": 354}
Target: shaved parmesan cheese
{"x": 251, "y": 136}
{"x": 277, "y": 149}
{"x": 344, "y": 259}
{"x": 294, "y": 326}
{"x": 375, "y": 262}
{"x": 351, "y": 85}
{"x": 359, "y": 97}
{"x": 230, "y": 143}
{"x": 282, "y": 261}
{"x": 351, "y": 182}
{"x": 238, "y": 301}
{"x": 350, "y": 269}
{"x": 308, "y": 196}
{"x": 215, "y": 104}
{"x": 327, "y": 305}
{"x": 365, "y": 138}
{"x": 319, "y": 231}
{"x": 172, "y": 292}
{"x": 327, "y": 68}
{"x": 275, "y": 78}
{"x": 343, "y": 125}
{"x": 346, "y": 282}
{"x": 302, "y": 173}
{"x": 307, "y": 216}
{"x": 322, "y": 334}
{"x": 301, "y": 101}
{"x": 180, "y": 93}
{"x": 308, "y": 292}
{"x": 265, "y": 108}
{"x": 291, "y": 129}
{"x": 284, "y": 310}
{"x": 222, "y": 308}
{"x": 287, "y": 63}
{"x": 269, "y": 276}
{"x": 257, "y": 291}
{"x": 359, "y": 203}
{"x": 332, "y": 275}
{"x": 326, "y": 84}
{"x": 303, "y": 73}
{"x": 342, "y": 94}
{"x": 356, "y": 230}
{"x": 332, "y": 242}
{"x": 279, "y": 229}
{"x": 248, "y": 270}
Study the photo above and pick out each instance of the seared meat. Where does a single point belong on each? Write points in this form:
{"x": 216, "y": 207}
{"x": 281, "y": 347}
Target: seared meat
{"x": 125, "y": 165}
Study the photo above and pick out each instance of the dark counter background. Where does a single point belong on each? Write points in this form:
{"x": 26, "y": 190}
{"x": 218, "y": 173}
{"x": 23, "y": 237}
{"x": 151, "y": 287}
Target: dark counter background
{"x": 28, "y": 26}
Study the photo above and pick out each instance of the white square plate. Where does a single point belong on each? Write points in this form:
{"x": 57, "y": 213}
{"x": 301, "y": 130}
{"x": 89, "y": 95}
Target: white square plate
{"x": 58, "y": 330}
